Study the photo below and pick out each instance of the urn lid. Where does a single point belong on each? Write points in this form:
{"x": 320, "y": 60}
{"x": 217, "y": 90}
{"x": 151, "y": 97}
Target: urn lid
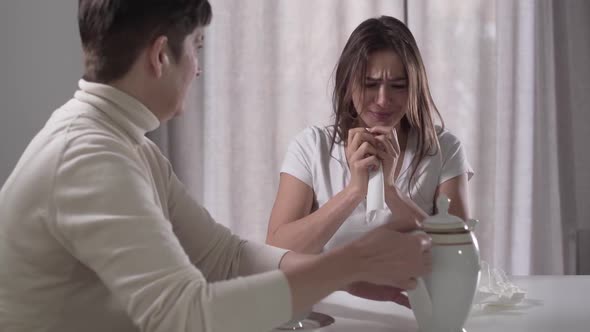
{"x": 443, "y": 222}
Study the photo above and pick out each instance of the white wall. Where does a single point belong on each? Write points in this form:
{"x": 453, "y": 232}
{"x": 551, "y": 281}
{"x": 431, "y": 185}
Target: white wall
{"x": 40, "y": 64}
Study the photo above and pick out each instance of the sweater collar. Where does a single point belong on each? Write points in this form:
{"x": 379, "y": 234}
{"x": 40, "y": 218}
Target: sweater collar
{"x": 127, "y": 111}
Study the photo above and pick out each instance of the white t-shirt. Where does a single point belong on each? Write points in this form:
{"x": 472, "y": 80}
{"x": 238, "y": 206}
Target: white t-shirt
{"x": 308, "y": 159}
{"x": 97, "y": 234}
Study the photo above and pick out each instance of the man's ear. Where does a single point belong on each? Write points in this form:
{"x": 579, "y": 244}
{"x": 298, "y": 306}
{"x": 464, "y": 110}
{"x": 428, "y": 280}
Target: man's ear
{"x": 158, "y": 56}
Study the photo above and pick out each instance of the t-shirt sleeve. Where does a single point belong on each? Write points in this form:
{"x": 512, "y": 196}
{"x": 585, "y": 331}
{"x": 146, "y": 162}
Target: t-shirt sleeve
{"x": 454, "y": 157}
{"x": 300, "y": 155}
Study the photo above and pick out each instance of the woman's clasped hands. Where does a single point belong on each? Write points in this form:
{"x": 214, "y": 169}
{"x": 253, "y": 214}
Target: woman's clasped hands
{"x": 366, "y": 149}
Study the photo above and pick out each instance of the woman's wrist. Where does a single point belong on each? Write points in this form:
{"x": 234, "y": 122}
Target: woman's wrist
{"x": 392, "y": 192}
{"x": 396, "y": 200}
{"x": 354, "y": 195}
{"x": 402, "y": 204}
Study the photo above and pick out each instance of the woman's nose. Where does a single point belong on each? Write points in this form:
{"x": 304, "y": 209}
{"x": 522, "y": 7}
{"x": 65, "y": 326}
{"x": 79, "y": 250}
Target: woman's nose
{"x": 383, "y": 96}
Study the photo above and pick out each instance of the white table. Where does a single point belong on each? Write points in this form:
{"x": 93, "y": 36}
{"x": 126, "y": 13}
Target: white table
{"x": 552, "y": 304}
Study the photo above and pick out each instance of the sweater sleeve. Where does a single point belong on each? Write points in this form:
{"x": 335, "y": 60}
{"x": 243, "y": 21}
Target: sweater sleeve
{"x": 108, "y": 218}
{"x": 217, "y": 253}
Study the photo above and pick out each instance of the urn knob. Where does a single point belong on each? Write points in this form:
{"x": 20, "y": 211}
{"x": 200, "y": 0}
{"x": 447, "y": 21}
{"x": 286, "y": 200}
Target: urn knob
{"x": 443, "y": 222}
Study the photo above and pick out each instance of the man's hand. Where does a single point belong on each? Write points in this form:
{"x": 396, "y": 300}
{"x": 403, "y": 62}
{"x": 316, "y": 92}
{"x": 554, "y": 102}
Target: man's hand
{"x": 392, "y": 254}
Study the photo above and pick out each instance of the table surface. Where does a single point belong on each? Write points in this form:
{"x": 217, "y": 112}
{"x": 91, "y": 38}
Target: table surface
{"x": 552, "y": 304}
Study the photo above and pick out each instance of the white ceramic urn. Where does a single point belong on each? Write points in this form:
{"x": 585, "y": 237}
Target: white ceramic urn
{"x": 442, "y": 300}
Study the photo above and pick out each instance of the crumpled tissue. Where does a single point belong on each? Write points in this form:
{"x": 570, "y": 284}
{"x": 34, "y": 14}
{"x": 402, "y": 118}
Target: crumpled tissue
{"x": 495, "y": 289}
{"x": 377, "y": 211}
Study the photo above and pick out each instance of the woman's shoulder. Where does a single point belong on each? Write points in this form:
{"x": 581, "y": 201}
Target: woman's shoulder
{"x": 316, "y": 130}
{"x": 315, "y": 134}
{"x": 446, "y": 138}
{"x": 316, "y": 141}
{"x": 453, "y": 154}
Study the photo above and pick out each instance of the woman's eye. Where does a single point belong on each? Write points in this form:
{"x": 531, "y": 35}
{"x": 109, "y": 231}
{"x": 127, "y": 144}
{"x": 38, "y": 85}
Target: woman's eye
{"x": 399, "y": 86}
{"x": 370, "y": 85}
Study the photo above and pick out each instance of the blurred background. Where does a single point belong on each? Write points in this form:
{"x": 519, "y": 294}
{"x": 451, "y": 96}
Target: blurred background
{"x": 511, "y": 79}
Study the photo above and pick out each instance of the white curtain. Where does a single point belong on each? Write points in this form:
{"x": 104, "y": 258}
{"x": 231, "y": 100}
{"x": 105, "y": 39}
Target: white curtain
{"x": 497, "y": 69}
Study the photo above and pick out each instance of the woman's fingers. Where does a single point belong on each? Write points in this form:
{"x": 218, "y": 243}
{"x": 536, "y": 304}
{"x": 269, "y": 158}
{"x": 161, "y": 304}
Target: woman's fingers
{"x": 390, "y": 134}
{"x": 381, "y": 130}
{"x": 359, "y": 138}
{"x": 352, "y": 132}
{"x": 365, "y": 149}
{"x": 371, "y": 162}
{"x": 387, "y": 145}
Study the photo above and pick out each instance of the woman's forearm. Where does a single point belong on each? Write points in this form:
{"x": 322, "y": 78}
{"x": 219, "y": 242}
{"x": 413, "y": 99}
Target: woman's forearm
{"x": 403, "y": 206}
{"x": 311, "y": 233}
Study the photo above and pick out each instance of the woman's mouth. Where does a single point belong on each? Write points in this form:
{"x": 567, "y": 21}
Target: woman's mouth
{"x": 381, "y": 116}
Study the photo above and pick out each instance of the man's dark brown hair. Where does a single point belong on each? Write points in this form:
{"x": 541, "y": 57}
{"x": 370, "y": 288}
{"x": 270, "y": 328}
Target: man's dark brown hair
{"x": 113, "y": 32}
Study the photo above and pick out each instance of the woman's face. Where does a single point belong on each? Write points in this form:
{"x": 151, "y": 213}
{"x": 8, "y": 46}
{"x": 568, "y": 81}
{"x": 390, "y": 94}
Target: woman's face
{"x": 385, "y": 90}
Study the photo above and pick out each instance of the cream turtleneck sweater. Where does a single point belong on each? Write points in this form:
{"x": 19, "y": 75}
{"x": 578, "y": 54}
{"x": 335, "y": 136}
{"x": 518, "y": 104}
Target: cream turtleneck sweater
{"x": 98, "y": 234}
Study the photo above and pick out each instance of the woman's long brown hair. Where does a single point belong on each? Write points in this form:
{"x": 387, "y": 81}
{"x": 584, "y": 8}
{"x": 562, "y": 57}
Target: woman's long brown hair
{"x": 378, "y": 34}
